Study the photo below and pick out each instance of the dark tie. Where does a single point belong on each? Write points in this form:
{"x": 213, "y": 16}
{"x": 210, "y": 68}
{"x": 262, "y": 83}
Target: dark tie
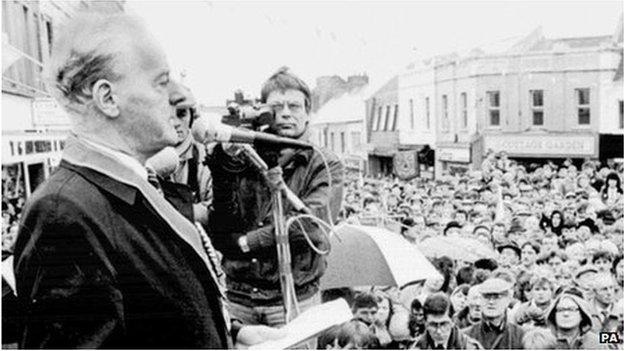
{"x": 152, "y": 178}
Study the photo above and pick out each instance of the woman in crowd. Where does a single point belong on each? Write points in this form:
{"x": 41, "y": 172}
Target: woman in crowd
{"x": 528, "y": 257}
{"x": 612, "y": 190}
{"x": 533, "y": 312}
{"x": 556, "y": 222}
{"x": 569, "y": 319}
{"x": 385, "y": 313}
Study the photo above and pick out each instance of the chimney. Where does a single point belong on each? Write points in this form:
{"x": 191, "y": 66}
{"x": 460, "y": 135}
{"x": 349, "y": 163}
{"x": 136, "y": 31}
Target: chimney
{"x": 356, "y": 81}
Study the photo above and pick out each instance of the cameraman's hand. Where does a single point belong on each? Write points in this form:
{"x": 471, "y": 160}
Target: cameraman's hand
{"x": 274, "y": 178}
{"x": 232, "y": 149}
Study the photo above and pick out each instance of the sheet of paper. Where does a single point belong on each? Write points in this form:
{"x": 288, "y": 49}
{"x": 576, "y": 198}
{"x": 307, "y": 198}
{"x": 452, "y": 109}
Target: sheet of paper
{"x": 310, "y": 323}
{"x": 7, "y": 272}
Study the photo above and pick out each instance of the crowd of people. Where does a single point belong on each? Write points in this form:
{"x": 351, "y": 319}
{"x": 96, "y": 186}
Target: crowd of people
{"x": 558, "y": 234}
{"x": 555, "y": 280}
{"x": 11, "y": 213}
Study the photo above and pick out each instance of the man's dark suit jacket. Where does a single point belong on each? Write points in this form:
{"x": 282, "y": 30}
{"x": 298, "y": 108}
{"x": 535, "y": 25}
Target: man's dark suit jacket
{"x": 96, "y": 266}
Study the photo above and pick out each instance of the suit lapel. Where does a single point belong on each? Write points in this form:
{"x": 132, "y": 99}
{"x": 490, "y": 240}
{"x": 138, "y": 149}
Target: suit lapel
{"x": 80, "y": 154}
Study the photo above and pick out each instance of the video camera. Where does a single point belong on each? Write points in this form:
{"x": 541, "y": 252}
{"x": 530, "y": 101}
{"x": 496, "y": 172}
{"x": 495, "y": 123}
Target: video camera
{"x": 252, "y": 117}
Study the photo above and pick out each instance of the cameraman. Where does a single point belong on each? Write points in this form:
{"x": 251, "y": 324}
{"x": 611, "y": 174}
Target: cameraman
{"x": 242, "y": 222}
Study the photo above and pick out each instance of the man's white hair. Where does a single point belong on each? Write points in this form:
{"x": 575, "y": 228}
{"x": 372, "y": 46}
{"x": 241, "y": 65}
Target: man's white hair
{"x": 600, "y": 278}
{"x": 85, "y": 52}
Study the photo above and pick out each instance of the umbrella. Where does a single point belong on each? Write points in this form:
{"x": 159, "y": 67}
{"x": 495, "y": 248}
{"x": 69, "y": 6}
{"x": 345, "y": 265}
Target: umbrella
{"x": 373, "y": 256}
{"x": 456, "y": 247}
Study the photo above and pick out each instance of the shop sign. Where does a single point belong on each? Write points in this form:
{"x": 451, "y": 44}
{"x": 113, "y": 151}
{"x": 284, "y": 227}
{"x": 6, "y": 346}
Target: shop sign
{"x": 454, "y": 154}
{"x": 46, "y": 112}
{"x": 353, "y": 162}
{"x": 546, "y": 145}
{"x": 405, "y": 164}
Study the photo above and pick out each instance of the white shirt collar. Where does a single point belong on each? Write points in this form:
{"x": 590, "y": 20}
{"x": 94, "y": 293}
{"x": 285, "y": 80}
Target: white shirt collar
{"x": 124, "y": 159}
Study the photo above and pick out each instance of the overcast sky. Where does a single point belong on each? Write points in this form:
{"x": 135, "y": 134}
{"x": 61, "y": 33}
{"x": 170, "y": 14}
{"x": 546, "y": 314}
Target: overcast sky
{"x": 223, "y": 46}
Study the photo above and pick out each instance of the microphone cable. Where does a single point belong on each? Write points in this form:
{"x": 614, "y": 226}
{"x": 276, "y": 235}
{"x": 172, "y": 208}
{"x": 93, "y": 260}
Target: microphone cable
{"x": 327, "y": 229}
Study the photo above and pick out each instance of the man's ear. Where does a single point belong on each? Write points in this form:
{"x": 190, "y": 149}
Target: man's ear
{"x": 104, "y": 99}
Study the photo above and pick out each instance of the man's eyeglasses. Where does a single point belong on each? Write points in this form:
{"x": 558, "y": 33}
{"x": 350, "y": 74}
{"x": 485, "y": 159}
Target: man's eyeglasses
{"x": 444, "y": 325}
{"x": 292, "y": 106}
{"x": 183, "y": 112}
{"x": 570, "y": 309}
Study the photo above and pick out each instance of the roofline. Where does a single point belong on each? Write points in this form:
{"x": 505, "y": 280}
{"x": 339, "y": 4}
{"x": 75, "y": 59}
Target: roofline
{"x": 338, "y": 122}
{"x": 587, "y": 37}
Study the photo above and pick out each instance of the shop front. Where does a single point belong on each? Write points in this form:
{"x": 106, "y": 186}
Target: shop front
{"x": 454, "y": 159}
{"x": 611, "y": 147}
{"x": 354, "y": 163}
{"x": 27, "y": 161}
{"x": 381, "y": 161}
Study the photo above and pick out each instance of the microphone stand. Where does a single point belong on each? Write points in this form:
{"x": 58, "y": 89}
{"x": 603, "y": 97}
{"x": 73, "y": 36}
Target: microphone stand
{"x": 287, "y": 282}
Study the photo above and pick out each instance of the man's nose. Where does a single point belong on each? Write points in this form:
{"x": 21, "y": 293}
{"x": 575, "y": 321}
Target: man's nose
{"x": 285, "y": 114}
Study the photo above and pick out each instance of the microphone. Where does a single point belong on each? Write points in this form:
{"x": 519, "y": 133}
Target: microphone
{"x": 206, "y": 130}
{"x": 262, "y": 166}
{"x": 165, "y": 162}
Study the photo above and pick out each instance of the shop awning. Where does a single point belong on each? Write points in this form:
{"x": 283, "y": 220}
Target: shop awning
{"x": 383, "y": 151}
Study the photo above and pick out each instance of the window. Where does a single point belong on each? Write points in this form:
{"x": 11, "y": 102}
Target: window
{"x": 445, "y": 115}
{"x": 27, "y": 30}
{"x": 621, "y": 114}
{"x": 493, "y": 103}
{"x": 427, "y": 113}
{"x": 464, "y": 106}
{"x": 378, "y": 120}
{"x": 396, "y": 117}
{"x": 343, "y": 142}
{"x": 49, "y": 37}
{"x": 333, "y": 141}
{"x": 411, "y": 106}
{"x": 582, "y": 102}
{"x": 387, "y": 123}
{"x": 537, "y": 107}
{"x": 356, "y": 142}
{"x": 325, "y": 141}
{"x": 21, "y": 24}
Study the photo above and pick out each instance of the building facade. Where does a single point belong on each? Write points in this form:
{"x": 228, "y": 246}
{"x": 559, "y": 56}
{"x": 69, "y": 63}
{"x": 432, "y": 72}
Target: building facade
{"x": 34, "y": 127}
{"x": 339, "y": 126}
{"x": 382, "y": 118}
{"x": 535, "y": 98}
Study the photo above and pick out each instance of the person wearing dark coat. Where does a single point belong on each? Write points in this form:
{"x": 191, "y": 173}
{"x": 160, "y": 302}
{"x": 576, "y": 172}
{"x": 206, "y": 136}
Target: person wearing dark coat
{"x": 242, "y": 222}
{"x": 495, "y": 332}
{"x": 102, "y": 259}
{"x": 441, "y": 333}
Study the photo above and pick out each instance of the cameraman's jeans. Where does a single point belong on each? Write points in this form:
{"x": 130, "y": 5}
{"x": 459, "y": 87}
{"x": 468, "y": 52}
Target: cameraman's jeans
{"x": 272, "y": 316}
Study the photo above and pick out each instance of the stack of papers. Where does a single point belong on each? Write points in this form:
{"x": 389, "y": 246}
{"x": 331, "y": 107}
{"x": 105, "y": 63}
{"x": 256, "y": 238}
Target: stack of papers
{"x": 310, "y": 323}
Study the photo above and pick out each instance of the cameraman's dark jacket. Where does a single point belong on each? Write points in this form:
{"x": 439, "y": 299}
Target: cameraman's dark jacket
{"x": 242, "y": 205}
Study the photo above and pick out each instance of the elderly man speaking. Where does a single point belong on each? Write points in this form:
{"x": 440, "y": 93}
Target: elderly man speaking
{"x": 102, "y": 259}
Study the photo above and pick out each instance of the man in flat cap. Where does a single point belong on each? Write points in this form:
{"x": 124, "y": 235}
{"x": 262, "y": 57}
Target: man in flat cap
{"x": 495, "y": 331}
